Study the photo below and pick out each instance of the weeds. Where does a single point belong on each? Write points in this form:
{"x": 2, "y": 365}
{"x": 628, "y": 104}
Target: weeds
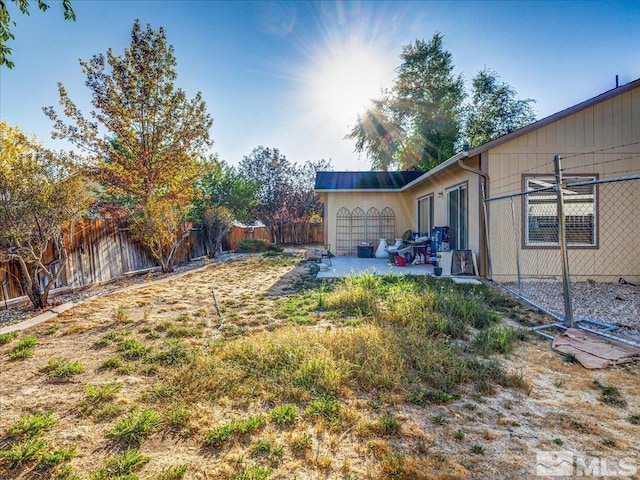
{"x": 634, "y": 419}
{"x": 135, "y": 427}
{"x": 477, "y": 449}
{"x": 27, "y": 450}
{"x": 285, "y": 414}
{"x": 61, "y": 369}
{"x": 24, "y": 349}
{"x": 173, "y": 353}
{"x": 268, "y": 447}
{"x": 253, "y": 473}
{"x": 388, "y": 424}
{"x": 570, "y": 358}
{"x": 172, "y": 473}
{"x": 121, "y": 465}
{"x": 426, "y": 397}
{"x": 122, "y": 315}
{"x": 131, "y": 349}
{"x": 56, "y": 457}
{"x": 496, "y": 339}
{"x": 8, "y": 337}
{"x": 32, "y": 426}
{"x": 438, "y": 420}
{"x": 610, "y": 394}
{"x": 326, "y": 408}
{"x": 218, "y": 436}
{"x": 99, "y": 401}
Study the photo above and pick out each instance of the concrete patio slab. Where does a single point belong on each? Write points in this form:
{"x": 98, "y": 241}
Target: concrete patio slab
{"x": 342, "y": 266}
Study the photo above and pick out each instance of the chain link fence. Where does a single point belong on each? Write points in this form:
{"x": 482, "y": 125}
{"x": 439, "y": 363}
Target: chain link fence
{"x": 597, "y": 250}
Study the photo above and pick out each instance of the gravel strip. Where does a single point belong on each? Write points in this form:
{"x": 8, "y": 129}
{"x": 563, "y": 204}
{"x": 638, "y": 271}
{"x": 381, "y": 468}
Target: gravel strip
{"x": 609, "y": 303}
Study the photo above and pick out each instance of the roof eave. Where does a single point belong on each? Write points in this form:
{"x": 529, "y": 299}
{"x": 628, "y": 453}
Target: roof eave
{"x": 555, "y": 117}
{"x": 434, "y": 171}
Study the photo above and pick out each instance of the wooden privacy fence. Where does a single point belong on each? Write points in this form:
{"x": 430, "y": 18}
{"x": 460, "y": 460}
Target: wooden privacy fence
{"x": 298, "y": 233}
{"x": 100, "y": 251}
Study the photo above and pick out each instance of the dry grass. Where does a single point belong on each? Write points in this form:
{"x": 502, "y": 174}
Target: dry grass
{"x": 336, "y": 393}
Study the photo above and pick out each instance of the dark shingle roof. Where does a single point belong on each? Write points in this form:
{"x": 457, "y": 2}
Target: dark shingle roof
{"x": 364, "y": 180}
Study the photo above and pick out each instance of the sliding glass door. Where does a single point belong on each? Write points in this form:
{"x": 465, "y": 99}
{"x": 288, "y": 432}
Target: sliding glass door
{"x": 457, "y": 215}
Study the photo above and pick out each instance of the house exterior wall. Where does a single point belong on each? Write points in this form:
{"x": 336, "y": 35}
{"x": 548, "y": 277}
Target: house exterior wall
{"x": 611, "y": 131}
{"x": 399, "y": 203}
{"x": 438, "y": 186}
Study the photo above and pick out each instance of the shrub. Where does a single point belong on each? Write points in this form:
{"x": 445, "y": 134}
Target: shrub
{"x": 255, "y": 246}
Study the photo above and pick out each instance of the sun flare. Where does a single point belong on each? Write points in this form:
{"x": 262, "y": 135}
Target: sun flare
{"x": 344, "y": 80}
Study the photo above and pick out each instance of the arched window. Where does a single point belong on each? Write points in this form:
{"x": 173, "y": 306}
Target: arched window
{"x": 372, "y": 225}
{"x": 357, "y": 229}
{"x": 388, "y": 224}
{"x": 343, "y": 231}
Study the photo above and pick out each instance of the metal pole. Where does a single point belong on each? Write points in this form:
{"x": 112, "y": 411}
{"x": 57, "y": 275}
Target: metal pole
{"x": 486, "y": 230}
{"x": 515, "y": 234}
{"x": 566, "y": 279}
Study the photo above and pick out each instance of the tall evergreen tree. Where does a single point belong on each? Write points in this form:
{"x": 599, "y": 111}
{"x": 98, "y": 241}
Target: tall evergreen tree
{"x": 417, "y": 124}
{"x": 428, "y": 103}
{"x": 494, "y": 110}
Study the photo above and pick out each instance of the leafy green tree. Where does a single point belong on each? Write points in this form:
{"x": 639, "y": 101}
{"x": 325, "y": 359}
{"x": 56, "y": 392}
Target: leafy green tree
{"x": 377, "y": 133}
{"x": 417, "y": 124}
{"x": 6, "y": 23}
{"x": 303, "y": 202}
{"x": 429, "y": 101}
{"x": 272, "y": 172}
{"x": 224, "y": 195}
{"x": 156, "y": 142}
{"x": 285, "y": 193}
{"x": 495, "y": 109}
{"x": 41, "y": 193}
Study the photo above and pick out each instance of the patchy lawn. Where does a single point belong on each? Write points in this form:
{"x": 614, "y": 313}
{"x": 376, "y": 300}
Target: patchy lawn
{"x": 369, "y": 378}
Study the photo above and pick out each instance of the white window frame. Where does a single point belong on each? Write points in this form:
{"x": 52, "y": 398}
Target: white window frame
{"x": 428, "y": 202}
{"x": 459, "y": 236}
{"x": 572, "y": 201}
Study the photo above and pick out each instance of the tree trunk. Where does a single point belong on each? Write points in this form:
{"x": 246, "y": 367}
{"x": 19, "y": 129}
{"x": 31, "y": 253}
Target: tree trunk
{"x": 29, "y": 284}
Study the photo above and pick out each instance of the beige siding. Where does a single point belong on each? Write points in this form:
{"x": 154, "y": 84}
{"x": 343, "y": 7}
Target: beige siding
{"x": 602, "y": 140}
{"x": 405, "y": 204}
{"x": 438, "y": 187}
{"x": 399, "y": 203}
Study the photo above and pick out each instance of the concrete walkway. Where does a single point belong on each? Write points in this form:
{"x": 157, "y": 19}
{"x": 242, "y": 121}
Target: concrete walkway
{"x": 342, "y": 266}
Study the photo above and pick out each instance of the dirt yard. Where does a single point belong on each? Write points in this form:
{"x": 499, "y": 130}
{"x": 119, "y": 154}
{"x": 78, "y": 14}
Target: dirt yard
{"x": 476, "y": 436}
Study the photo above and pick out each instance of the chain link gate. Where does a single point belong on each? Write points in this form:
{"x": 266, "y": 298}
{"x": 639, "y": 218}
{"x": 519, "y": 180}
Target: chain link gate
{"x": 584, "y": 273}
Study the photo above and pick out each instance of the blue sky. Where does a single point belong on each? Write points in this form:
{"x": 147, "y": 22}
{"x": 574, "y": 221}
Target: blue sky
{"x": 287, "y": 74}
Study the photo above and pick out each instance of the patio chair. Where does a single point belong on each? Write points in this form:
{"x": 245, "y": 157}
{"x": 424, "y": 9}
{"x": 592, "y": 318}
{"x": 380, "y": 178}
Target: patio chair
{"x": 325, "y": 252}
{"x": 403, "y": 248}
